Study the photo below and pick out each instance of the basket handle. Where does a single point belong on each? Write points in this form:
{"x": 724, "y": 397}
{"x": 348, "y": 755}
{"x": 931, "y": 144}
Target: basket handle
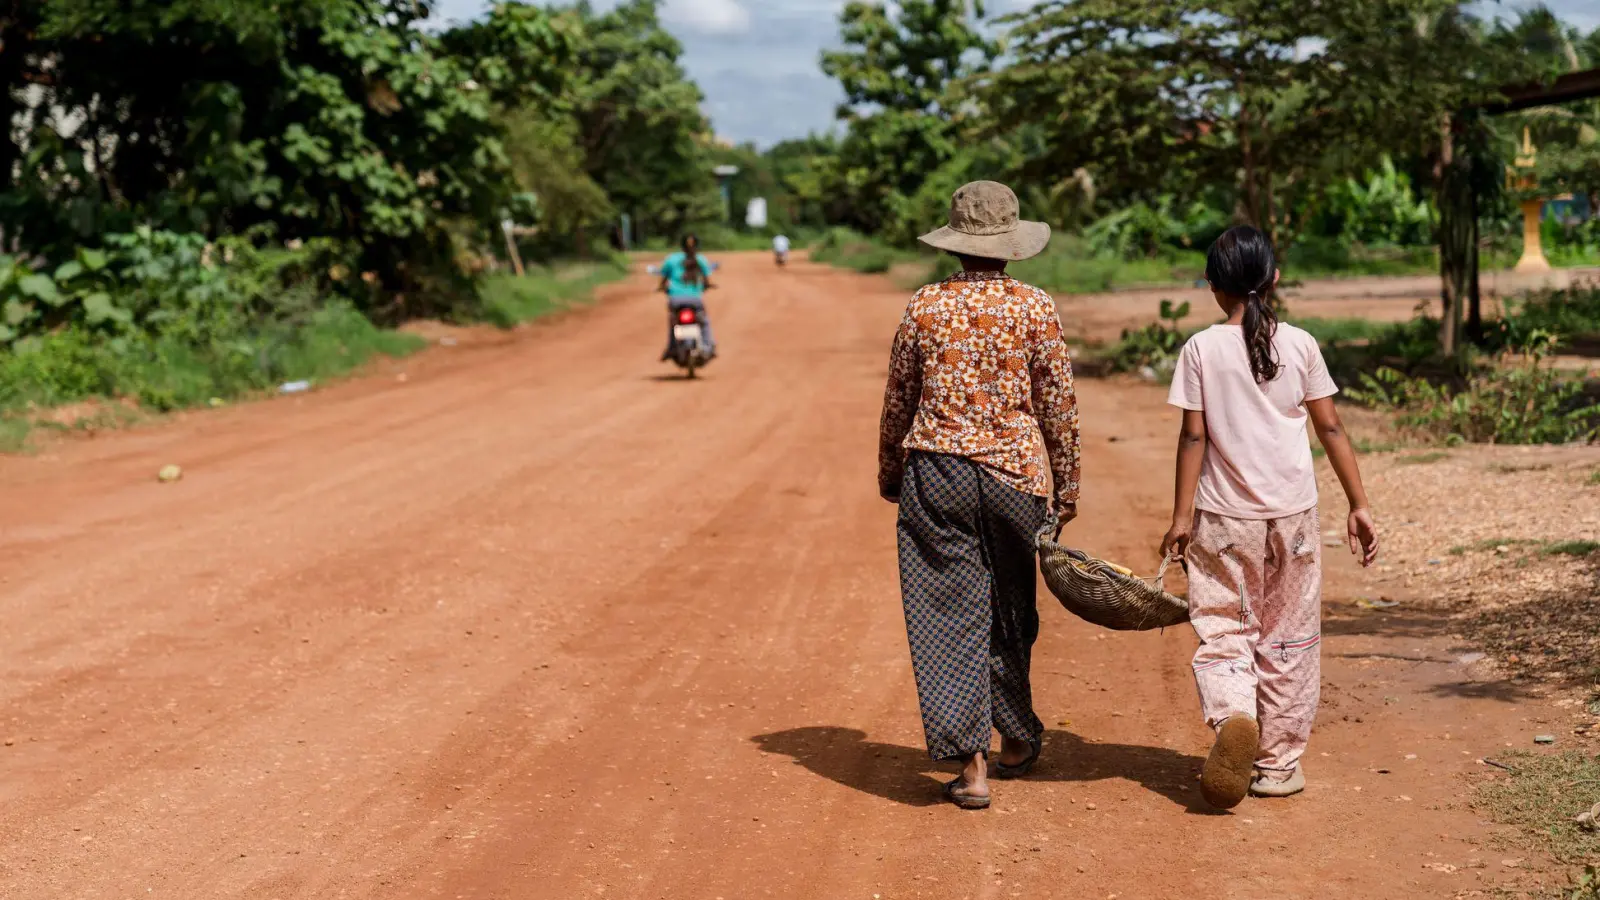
{"x": 1160, "y": 579}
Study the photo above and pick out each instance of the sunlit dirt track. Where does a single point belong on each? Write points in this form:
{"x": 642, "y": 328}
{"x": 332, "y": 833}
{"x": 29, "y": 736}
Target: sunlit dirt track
{"x": 542, "y": 621}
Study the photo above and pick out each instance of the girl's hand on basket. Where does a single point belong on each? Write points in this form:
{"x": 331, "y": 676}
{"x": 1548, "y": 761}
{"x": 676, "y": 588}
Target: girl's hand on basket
{"x": 1363, "y": 536}
{"x": 1176, "y": 544}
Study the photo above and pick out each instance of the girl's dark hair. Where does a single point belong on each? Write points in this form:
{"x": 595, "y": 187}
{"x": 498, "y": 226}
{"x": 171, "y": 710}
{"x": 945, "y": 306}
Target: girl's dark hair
{"x": 1241, "y": 264}
{"x": 691, "y": 259}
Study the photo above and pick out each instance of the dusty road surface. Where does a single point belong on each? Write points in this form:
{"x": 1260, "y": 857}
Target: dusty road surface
{"x": 538, "y": 622}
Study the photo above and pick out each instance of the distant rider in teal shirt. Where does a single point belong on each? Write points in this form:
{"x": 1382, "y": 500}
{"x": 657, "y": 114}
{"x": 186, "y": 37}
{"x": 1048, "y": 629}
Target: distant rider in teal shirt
{"x": 684, "y": 278}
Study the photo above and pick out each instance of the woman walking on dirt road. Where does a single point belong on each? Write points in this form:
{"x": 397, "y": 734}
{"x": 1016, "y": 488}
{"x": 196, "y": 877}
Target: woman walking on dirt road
{"x": 1245, "y": 514}
{"x": 977, "y": 374}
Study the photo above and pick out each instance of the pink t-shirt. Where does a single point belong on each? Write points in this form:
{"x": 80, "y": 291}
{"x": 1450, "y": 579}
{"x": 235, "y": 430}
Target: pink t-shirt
{"x": 1258, "y": 458}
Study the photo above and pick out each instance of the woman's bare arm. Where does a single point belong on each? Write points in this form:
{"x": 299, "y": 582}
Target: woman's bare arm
{"x": 1363, "y": 532}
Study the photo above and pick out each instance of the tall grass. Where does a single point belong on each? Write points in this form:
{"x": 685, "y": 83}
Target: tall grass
{"x": 508, "y": 300}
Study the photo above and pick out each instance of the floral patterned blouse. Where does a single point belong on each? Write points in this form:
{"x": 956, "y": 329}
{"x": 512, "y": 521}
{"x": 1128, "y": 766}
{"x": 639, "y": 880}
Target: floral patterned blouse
{"x": 979, "y": 362}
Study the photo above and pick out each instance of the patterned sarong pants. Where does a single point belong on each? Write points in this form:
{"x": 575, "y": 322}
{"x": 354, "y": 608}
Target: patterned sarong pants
{"x": 1255, "y": 600}
{"x": 968, "y": 581}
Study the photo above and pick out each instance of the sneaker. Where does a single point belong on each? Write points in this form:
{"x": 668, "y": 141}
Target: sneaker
{"x": 1276, "y": 784}
{"x": 1226, "y": 777}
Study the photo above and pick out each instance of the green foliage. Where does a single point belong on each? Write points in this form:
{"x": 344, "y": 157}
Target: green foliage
{"x": 167, "y": 372}
{"x": 1519, "y": 401}
{"x": 1380, "y": 210}
{"x": 1069, "y": 266}
{"x": 897, "y": 69}
{"x": 508, "y": 300}
{"x": 341, "y": 120}
{"x": 1278, "y": 102}
{"x": 639, "y": 122}
{"x": 1155, "y": 346}
{"x": 849, "y": 250}
{"x": 1147, "y": 230}
{"x": 1571, "y": 315}
{"x": 155, "y": 282}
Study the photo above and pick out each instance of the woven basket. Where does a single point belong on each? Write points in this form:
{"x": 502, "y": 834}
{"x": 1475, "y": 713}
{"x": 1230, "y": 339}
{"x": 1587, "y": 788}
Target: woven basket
{"x": 1106, "y": 594}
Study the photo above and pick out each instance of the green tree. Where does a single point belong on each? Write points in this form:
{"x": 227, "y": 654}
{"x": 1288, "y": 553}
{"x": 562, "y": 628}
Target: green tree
{"x": 1282, "y": 101}
{"x": 307, "y": 118}
{"x": 897, "y": 70}
{"x": 639, "y": 124}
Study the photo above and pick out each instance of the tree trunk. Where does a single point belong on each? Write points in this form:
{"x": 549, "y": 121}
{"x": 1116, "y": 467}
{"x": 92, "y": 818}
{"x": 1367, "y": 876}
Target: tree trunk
{"x": 1457, "y": 236}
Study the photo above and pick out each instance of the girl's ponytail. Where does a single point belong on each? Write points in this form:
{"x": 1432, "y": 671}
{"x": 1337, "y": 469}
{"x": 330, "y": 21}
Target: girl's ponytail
{"x": 1241, "y": 264}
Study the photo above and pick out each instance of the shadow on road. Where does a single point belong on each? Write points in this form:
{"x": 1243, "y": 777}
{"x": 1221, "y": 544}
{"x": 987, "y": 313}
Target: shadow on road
{"x": 901, "y": 774}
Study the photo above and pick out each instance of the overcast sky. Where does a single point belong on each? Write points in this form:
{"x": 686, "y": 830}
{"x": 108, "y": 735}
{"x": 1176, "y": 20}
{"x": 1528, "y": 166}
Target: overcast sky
{"x": 756, "y": 60}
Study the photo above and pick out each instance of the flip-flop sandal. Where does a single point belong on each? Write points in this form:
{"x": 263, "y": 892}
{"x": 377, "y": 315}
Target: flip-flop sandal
{"x": 1001, "y": 770}
{"x": 963, "y": 799}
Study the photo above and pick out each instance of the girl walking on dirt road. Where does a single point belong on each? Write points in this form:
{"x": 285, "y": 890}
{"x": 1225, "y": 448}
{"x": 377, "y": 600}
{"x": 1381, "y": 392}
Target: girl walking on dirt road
{"x": 1245, "y": 515}
{"x": 977, "y": 373}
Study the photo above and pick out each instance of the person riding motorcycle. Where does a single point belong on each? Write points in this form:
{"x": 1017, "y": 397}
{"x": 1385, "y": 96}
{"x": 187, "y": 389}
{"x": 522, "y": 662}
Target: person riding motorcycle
{"x": 780, "y": 248}
{"x": 685, "y": 279}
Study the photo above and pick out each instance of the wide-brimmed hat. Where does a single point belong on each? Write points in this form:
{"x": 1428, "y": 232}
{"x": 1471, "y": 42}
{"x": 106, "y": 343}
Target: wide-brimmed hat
{"x": 985, "y": 221}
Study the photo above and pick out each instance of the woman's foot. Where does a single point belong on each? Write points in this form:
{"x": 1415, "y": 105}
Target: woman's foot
{"x": 971, "y": 790}
{"x": 1226, "y": 777}
{"x": 1278, "y": 784}
{"x": 1016, "y": 758}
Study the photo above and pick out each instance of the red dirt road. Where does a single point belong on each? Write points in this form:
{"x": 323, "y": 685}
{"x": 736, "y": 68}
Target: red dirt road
{"x": 537, "y": 623}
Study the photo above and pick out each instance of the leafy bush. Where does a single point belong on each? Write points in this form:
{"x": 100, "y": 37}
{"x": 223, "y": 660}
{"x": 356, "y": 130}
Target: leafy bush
{"x": 1381, "y": 210}
{"x": 165, "y": 372}
{"x": 850, "y": 250}
{"x": 1143, "y": 230}
{"x": 1571, "y": 314}
{"x": 1154, "y": 346}
{"x": 158, "y": 283}
{"x": 1511, "y": 401}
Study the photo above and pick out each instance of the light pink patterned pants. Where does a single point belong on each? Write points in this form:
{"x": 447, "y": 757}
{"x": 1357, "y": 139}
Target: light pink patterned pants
{"x": 1255, "y": 600}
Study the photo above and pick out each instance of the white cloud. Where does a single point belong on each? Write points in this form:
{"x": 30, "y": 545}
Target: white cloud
{"x": 707, "y": 16}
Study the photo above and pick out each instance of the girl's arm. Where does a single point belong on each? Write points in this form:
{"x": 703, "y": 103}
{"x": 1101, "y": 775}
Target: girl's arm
{"x": 1363, "y": 533}
{"x": 1191, "y": 453}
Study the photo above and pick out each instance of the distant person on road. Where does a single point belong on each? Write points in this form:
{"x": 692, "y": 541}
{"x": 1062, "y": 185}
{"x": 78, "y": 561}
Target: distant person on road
{"x": 977, "y": 374}
{"x": 1245, "y": 516}
{"x": 780, "y": 248}
{"x": 685, "y": 277}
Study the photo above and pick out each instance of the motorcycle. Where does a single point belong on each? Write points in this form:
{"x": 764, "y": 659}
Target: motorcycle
{"x": 689, "y": 350}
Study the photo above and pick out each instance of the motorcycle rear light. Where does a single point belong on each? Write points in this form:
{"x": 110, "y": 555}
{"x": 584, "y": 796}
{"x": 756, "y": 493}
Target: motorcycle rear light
{"x": 686, "y": 316}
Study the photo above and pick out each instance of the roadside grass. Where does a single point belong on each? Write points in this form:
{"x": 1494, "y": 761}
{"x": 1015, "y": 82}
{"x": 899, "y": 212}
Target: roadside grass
{"x": 1541, "y": 795}
{"x": 1489, "y": 544}
{"x": 1594, "y": 477}
{"x": 1580, "y": 547}
{"x": 162, "y": 374}
{"x": 1571, "y": 548}
{"x": 1422, "y": 459}
{"x": 1514, "y": 468}
{"x": 1362, "y": 445}
{"x": 508, "y": 300}
{"x": 1344, "y": 331}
